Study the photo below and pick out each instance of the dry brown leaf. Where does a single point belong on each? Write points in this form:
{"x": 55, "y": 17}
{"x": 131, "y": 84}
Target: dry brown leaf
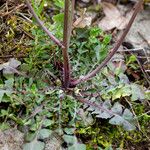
{"x": 113, "y": 18}
{"x": 83, "y": 20}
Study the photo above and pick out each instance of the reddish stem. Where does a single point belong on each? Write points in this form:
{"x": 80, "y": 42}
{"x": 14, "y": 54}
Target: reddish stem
{"x": 68, "y": 19}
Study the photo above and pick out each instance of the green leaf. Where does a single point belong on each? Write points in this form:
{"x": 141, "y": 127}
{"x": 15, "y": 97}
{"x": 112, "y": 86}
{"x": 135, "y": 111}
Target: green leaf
{"x": 69, "y": 130}
{"x": 4, "y": 112}
{"x": 111, "y": 79}
{"x": 123, "y": 78}
{"x": 70, "y": 139}
{"x": 9, "y": 83}
{"x": 59, "y": 18}
{"x": 25, "y": 67}
{"x": 107, "y": 104}
{"x": 103, "y": 52}
{"x": 127, "y": 114}
{"x": 44, "y": 133}
{"x": 2, "y": 92}
{"x": 126, "y": 120}
{"x": 108, "y": 148}
{"x": 4, "y": 126}
{"x": 97, "y": 51}
{"x": 106, "y": 39}
{"x": 126, "y": 90}
{"x": 147, "y": 94}
{"x": 47, "y": 122}
{"x": 77, "y": 146}
{"x": 116, "y": 120}
{"x": 34, "y": 127}
{"x": 137, "y": 93}
{"x": 128, "y": 126}
{"x": 117, "y": 94}
{"x": 40, "y": 8}
{"x": 30, "y": 136}
{"x": 59, "y": 3}
{"x": 34, "y": 145}
{"x": 132, "y": 58}
{"x": 85, "y": 117}
{"x": 117, "y": 108}
{"x": 103, "y": 113}
{"x": 82, "y": 33}
{"x": 95, "y": 31}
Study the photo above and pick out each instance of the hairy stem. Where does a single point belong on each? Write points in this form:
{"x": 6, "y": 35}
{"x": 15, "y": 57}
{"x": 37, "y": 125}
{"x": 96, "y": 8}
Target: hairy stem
{"x": 118, "y": 43}
{"x": 68, "y": 19}
{"x": 41, "y": 24}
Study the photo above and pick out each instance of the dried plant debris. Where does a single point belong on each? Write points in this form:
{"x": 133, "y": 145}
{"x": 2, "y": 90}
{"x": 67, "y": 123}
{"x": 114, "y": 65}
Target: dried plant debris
{"x": 83, "y": 21}
{"x": 14, "y": 30}
{"x": 138, "y": 34}
{"x": 113, "y": 18}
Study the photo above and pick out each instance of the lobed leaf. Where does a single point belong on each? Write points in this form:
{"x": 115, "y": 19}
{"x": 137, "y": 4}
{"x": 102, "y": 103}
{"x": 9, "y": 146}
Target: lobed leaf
{"x": 115, "y": 113}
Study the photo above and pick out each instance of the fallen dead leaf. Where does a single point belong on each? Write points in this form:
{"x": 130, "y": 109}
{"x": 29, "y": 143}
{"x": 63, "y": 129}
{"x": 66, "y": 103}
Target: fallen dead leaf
{"x": 10, "y": 66}
{"x": 83, "y": 20}
{"x": 113, "y": 18}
